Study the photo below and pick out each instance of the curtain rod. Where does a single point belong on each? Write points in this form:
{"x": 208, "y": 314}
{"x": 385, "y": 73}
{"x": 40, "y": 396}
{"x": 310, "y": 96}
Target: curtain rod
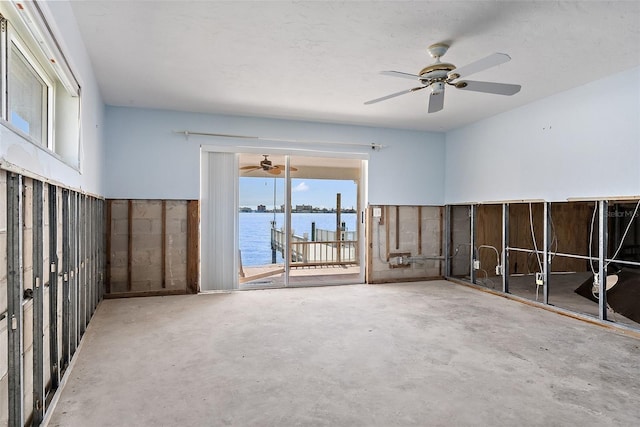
{"x": 373, "y": 146}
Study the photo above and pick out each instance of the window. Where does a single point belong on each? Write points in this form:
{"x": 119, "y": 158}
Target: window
{"x": 27, "y": 96}
{"x": 41, "y": 96}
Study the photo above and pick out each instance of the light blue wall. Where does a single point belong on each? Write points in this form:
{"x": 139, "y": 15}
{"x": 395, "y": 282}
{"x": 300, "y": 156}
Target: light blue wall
{"x": 584, "y": 142}
{"x": 17, "y": 152}
{"x": 145, "y": 158}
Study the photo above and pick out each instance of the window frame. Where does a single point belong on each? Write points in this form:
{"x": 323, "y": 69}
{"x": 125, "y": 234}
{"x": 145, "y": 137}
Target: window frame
{"x": 12, "y": 38}
{"x": 24, "y": 27}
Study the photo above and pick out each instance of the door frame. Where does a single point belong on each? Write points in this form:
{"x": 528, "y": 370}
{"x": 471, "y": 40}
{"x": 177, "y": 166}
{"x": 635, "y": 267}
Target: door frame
{"x": 205, "y": 195}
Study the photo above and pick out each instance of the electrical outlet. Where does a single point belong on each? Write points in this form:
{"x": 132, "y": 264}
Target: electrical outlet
{"x": 498, "y": 270}
{"x": 539, "y": 279}
{"x": 476, "y": 264}
{"x": 377, "y": 212}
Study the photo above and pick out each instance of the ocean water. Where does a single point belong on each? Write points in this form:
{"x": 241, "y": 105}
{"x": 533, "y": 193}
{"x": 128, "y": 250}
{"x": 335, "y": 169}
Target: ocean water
{"x": 255, "y": 231}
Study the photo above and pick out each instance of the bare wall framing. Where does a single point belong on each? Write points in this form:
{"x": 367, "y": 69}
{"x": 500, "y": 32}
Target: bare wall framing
{"x": 152, "y": 247}
{"x": 405, "y": 243}
{"x": 51, "y": 281}
{"x": 546, "y": 252}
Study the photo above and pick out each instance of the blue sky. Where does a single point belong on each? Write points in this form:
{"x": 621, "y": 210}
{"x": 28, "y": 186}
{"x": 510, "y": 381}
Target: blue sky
{"x": 316, "y": 192}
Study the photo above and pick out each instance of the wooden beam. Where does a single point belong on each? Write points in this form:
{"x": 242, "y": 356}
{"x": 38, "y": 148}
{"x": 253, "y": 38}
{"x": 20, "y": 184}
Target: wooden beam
{"x": 157, "y": 293}
{"x": 108, "y": 247}
{"x": 193, "y": 251}
{"x": 419, "y": 230}
{"x": 164, "y": 244}
{"x": 441, "y": 240}
{"x": 397, "y": 227}
{"x": 386, "y": 230}
{"x": 129, "y": 243}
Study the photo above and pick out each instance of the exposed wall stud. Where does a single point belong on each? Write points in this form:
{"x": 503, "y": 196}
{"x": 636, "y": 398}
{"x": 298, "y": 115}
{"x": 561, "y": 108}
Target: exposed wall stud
{"x": 193, "y": 246}
{"x": 397, "y": 227}
{"x": 163, "y": 262}
{"x": 38, "y": 303}
{"x": 129, "y": 244}
{"x": 546, "y": 257}
{"x": 66, "y": 285}
{"x": 602, "y": 256}
{"x": 73, "y": 276}
{"x": 107, "y": 283}
{"x": 14, "y": 298}
{"x": 448, "y": 225}
{"x": 505, "y": 247}
{"x": 419, "y": 230}
{"x": 472, "y": 251}
{"x": 53, "y": 287}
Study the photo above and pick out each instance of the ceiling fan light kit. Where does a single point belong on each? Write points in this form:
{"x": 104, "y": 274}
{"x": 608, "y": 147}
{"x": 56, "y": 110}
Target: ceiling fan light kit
{"x": 439, "y": 74}
{"x": 267, "y": 166}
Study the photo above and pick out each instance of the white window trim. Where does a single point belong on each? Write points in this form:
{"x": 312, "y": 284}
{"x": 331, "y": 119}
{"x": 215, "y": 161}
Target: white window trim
{"x": 14, "y": 38}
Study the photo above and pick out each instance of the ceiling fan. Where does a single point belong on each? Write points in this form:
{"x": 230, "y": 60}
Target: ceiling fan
{"x": 439, "y": 74}
{"x": 267, "y": 166}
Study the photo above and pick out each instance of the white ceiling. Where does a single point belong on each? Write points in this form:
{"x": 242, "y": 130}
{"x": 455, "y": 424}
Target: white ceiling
{"x": 320, "y": 61}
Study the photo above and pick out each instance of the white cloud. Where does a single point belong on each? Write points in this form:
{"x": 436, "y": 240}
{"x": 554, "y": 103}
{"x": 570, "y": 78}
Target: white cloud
{"x": 300, "y": 187}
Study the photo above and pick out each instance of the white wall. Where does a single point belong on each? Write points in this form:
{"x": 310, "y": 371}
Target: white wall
{"x": 145, "y": 158}
{"x": 584, "y": 142}
{"x": 16, "y": 151}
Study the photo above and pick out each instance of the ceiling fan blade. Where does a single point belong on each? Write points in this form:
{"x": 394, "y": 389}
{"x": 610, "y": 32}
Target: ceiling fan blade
{"x": 436, "y": 101}
{"x": 480, "y": 65}
{"x": 393, "y": 95}
{"x": 291, "y": 168}
{"x": 488, "y": 87}
{"x": 274, "y": 171}
{"x": 400, "y": 74}
{"x": 249, "y": 167}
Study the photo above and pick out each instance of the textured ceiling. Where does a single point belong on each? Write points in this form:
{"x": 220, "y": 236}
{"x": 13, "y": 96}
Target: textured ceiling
{"x": 320, "y": 61}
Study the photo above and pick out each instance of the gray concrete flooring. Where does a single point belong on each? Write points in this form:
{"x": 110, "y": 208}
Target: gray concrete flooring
{"x": 425, "y": 354}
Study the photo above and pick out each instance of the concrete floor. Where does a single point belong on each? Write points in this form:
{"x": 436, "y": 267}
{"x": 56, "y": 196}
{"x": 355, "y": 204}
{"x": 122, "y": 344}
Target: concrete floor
{"x": 427, "y": 354}
{"x": 562, "y": 294}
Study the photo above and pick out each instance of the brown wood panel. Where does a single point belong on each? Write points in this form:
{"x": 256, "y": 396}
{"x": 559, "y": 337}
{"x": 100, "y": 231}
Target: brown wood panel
{"x": 520, "y": 236}
{"x": 570, "y": 234}
{"x": 193, "y": 250}
{"x": 572, "y": 223}
{"x": 488, "y": 233}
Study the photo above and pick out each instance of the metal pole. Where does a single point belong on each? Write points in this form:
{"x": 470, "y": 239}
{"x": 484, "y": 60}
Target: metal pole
{"x": 38, "y": 303}
{"x": 66, "y": 285}
{"x": 73, "y": 276}
{"x": 505, "y": 247}
{"x": 14, "y": 299}
{"x": 546, "y": 263}
{"x": 81, "y": 268}
{"x": 53, "y": 287}
{"x": 338, "y": 228}
{"x": 602, "y": 255}
{"x": 287, "y": 220}
{"x": 472, "y": 216}
{"x": 447, "y": 241}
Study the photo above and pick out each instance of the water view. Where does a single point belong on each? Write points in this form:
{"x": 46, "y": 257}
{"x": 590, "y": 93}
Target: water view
{"x": 255, "y": 231}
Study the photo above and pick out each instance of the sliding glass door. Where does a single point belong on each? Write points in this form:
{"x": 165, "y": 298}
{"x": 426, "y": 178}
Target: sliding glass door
{"x": 298, "y": 221}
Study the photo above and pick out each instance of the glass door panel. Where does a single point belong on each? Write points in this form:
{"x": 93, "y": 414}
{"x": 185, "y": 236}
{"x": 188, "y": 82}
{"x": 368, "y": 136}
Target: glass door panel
{"x": 261, "y": 225}
{"x": 325, "y": 231}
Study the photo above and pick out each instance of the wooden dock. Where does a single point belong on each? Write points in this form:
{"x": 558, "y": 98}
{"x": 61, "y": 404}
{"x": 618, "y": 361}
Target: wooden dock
{"x": 342, "y": 249}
